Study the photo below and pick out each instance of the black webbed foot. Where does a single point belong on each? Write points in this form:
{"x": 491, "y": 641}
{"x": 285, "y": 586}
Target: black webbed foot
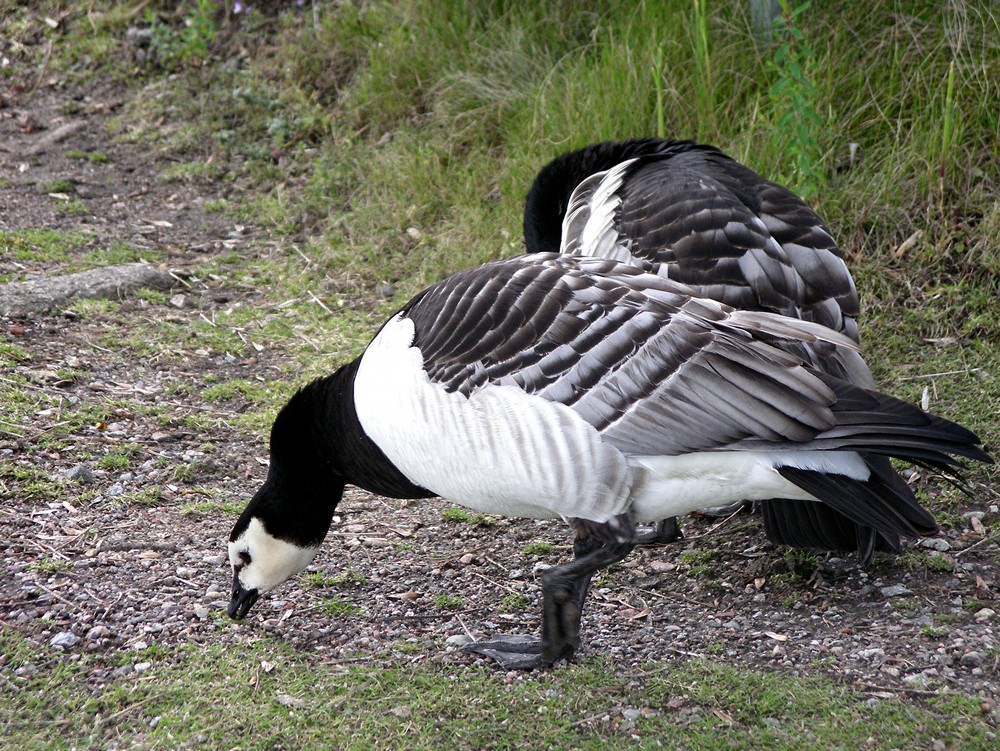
{"x": 515, "y": 652}
{"x": 564, "y": 590}
{"x": 665, "y": 532}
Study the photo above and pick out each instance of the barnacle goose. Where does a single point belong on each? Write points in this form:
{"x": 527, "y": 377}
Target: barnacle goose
{"x": 690, "y": 213}
{"x": 586, "y": 389}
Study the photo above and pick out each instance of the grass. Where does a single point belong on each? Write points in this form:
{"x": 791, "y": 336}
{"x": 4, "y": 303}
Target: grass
{"x": 198, "y": 696}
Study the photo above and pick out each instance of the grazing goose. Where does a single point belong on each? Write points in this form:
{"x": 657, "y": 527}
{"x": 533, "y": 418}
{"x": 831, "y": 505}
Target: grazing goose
{"x": 690, "y": 213}
{"x": 586, "y": 389}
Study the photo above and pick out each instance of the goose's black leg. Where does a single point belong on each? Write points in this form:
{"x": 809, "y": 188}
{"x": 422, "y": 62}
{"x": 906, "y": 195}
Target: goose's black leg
{"x": 564, "y": 590}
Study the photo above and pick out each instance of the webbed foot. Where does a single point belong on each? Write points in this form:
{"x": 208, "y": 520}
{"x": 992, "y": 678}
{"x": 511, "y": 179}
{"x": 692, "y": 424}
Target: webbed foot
{"x": 515, "y": 652}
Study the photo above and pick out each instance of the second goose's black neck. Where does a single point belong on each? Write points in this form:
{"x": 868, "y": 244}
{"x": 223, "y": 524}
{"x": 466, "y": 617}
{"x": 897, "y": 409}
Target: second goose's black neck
{"x": 548, "y": 198}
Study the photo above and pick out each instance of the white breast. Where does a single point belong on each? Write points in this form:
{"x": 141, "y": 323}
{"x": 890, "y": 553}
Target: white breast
{"x": 499, "y": 450}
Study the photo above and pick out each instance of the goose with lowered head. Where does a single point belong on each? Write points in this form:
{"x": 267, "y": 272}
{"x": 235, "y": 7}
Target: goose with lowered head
{"x": 590, "y": 390}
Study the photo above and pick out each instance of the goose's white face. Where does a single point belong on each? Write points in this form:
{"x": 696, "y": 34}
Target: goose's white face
{"x": 260, "y": 563}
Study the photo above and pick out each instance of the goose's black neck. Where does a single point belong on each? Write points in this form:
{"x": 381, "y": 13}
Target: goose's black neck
{"x": 326, "y": 417}
{"x": 548, "y": 198}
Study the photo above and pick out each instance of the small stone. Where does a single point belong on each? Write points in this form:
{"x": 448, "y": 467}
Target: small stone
{"x": 200, "y": 612}
{"x": 936, "y": 543}
{"x": 384, "y": 290}
{"x": 458, "y": 640}
{"x": 155, "y": 721}
{"x": 80, "y": 474}
{"x": 985, "y": 614}
{"x": 183, "y": 302}
{"x": 972, "y": 660}
{"x": 290, "y": 701}
{"x": 98, "y": 632}
{"x": 115, "y": 490}
{"x": 896, "y": 590}
{"x": 138, "y": 38}
{"x": 631, "y": 715}
{"x": 65, "y": 640}
{"x": 142, "y": 667}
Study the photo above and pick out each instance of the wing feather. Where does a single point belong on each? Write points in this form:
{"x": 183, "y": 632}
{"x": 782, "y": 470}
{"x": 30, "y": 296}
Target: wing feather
{"x": 653, "y": 369}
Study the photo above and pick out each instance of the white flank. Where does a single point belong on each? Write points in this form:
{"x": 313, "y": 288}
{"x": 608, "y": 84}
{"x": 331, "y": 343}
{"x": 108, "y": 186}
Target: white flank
{"x": 676, "y": 485}
{"x": 498, "y": 451}
{"x": 272, "y": 561}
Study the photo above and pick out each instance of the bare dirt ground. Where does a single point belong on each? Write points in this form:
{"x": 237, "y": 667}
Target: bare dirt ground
{"x": 129, "y": 575}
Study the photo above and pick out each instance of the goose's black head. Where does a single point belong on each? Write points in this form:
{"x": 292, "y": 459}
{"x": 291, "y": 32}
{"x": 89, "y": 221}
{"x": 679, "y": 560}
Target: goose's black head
{"x": 545, "y": 206}
{"x": 280, "y": 530}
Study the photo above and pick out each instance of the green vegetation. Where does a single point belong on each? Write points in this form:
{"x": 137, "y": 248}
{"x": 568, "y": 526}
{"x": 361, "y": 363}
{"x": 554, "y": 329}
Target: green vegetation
{"x": 97, "y": 157}
{"x": 795, "y": 127}
{"x": 538, "y": 548}
{"x": 199, "y": 697}
{"x": 447, "y": 601}
{"x": 335, "y": 607}
{"x": 513, "y": 602}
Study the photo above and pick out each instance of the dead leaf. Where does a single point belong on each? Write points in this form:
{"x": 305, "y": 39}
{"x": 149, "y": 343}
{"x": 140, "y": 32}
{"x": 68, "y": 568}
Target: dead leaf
{"x": 410, "y": 595}
{"x": 633, "y": 614}
{"x": 982, "y": 589}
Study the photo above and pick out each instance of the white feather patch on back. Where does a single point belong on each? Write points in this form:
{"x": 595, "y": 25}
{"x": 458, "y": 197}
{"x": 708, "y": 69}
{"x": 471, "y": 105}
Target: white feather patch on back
{"x": 499, "y": 450}
{"x": 588, "y": 227}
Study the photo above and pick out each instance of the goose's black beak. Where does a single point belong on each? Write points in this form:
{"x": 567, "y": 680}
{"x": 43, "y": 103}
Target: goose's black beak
{"x": 242, "y": 600}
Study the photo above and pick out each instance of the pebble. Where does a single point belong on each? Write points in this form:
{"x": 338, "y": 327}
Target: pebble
{"x": 114, "y": 490}
{"x": 142, "y": 667}
{"x": 895, "y": 590}
{"x": 80, "y": 474}
{"x": 458, "y": 640}
{"x": 972, "y": 660}
{"x": 65, "y": 640}
{"x": 98, "y": 632}
{"x": 935, "y": 543}
{"x": 985, "y": 614}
